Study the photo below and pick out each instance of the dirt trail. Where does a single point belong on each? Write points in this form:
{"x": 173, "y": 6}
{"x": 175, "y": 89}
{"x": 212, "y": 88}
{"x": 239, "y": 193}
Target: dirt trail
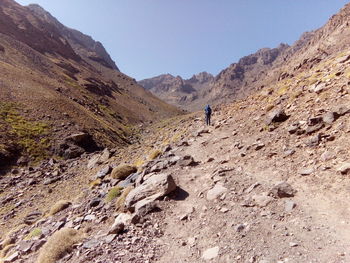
{"x": 316, "y": 230}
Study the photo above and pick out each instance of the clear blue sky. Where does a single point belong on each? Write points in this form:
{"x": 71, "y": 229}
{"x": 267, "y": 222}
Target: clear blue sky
{"x": 183, "y": 37}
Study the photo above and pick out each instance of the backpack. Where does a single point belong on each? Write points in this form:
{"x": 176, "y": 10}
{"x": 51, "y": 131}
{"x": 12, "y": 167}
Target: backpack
{"x": 207, "y": 110}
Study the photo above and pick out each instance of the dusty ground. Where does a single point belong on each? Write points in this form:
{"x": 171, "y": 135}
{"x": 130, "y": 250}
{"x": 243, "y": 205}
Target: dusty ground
{"x": 316, "y": 230}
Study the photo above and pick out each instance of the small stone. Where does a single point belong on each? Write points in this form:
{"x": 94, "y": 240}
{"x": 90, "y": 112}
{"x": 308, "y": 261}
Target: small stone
{"x": 91, "y": 244}
{"x": 259, "y": 146}
{"x": 289, "y": 152}
{"x": 262, "y": 200}
{"x": 344, "y": 168}
{"x": 216, "y": 192}
{"x": 191, "y": 241}
{"x": 282, "y": 189}
{"x": 25, "y": 246}
{"x": 95, "y": 202}
{"x": 240, "y": 227}
{"x": 103, "y": 172}
{"x": 326, "y": 156}
{"x": 306, "y": 171}
{"x": 116, "y": 228}
{"x": 224, "y": 210}
{"x": 110, "y": 238}
{"x": 277, "y": 115}
{"x": 329, "y": 117}
{"x": 184, "y": 217}
{"x": 289, "y": 206}
{"x": 32, "y": 217}
{"x": 293, "y": 244}
{"x": 12, "y": 258}
{"x": 252, "y": 187}
{"x": 90, "y": 218}
{"x": 210, "y": 253}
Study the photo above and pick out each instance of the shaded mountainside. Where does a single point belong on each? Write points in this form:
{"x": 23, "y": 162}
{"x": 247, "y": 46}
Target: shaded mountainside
{"x": 263, "y": 68}
{"x": 56, "y": 82}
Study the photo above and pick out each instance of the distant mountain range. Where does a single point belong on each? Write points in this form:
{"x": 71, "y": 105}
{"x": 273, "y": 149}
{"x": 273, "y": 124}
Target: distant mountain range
{"x": 252, "y": 72}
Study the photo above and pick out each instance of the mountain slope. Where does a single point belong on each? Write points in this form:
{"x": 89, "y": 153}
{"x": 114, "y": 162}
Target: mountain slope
{"x": 233, "y": 82}
{"x": 56, "y": 82}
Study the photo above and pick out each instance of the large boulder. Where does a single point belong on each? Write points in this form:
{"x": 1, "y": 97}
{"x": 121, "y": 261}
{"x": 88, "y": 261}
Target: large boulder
{"x": 153, "y": 188}
{"x": 277, "y": 115}
{"x": 75, "y": 145}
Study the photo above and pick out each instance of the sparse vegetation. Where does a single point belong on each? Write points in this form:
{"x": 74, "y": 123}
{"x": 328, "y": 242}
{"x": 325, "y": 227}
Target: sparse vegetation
{"x": 139, "y": 162}
{"x": 59, "y": 206}
{"x": 269, "y": 107}
{"x": 34, "y": 233}
{"x": 113, "y": 194}
{"x": 120, "y": 203}
{"x": 31, "y": 136}
{"x": 155, "y": 154}
{"x": 123, "y": 171}
{"x": 58, "y": 245}
{"x": 95, "y": 183}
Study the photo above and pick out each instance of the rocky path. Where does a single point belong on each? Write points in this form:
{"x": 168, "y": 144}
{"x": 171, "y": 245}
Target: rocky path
{"x": 228, "y": 213}
{"x": 243, "y": 192}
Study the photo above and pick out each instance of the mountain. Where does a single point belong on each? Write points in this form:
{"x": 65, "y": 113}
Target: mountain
{"x": 252, "y": 72}
{"x": 204, "y": 88}
{"x": 178, "y": 91}
{"x": 56, "y": 82}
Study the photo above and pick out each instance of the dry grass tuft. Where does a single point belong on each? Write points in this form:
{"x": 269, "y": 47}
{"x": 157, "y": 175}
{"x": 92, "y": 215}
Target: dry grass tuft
{"x": 95, "y": 183}
{"x": 120, "y": 203}
{"x": 58, "y": 245}
{"x": 139, "y": 162}
{"x": 59, "y": 206}
{"x": 123, "y": 171}
{"x": 269, "y": 107}
{"x": 155, "y": 154}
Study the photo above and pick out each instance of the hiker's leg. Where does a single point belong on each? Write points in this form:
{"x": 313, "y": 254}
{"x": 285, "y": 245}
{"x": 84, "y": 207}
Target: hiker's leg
{"x": 206, "y": 119}
{"x": 209, "y": 119}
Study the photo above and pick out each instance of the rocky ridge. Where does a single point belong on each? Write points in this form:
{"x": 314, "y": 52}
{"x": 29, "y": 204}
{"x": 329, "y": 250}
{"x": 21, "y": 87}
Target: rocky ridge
{"x": 236, "y": 81}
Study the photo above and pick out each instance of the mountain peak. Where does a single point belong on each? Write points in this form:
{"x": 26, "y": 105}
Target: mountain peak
{"x": 84, "y": 45}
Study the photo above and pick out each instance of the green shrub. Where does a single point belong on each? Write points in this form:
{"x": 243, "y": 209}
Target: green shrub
{"x": 34, "y": 233}
{"x": 113, "y": 194}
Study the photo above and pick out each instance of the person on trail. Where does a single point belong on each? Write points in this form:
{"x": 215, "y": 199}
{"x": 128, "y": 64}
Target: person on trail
{"x": 207, "y": 111}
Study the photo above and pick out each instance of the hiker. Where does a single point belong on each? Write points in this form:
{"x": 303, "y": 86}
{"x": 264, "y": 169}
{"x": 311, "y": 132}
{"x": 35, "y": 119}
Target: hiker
{"x": 207, "y": 111}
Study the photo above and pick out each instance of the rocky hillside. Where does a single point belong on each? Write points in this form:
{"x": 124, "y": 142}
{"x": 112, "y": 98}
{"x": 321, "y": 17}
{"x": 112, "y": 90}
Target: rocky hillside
{"x": 267, "y": 182}
{"x": 57, "y": 82}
